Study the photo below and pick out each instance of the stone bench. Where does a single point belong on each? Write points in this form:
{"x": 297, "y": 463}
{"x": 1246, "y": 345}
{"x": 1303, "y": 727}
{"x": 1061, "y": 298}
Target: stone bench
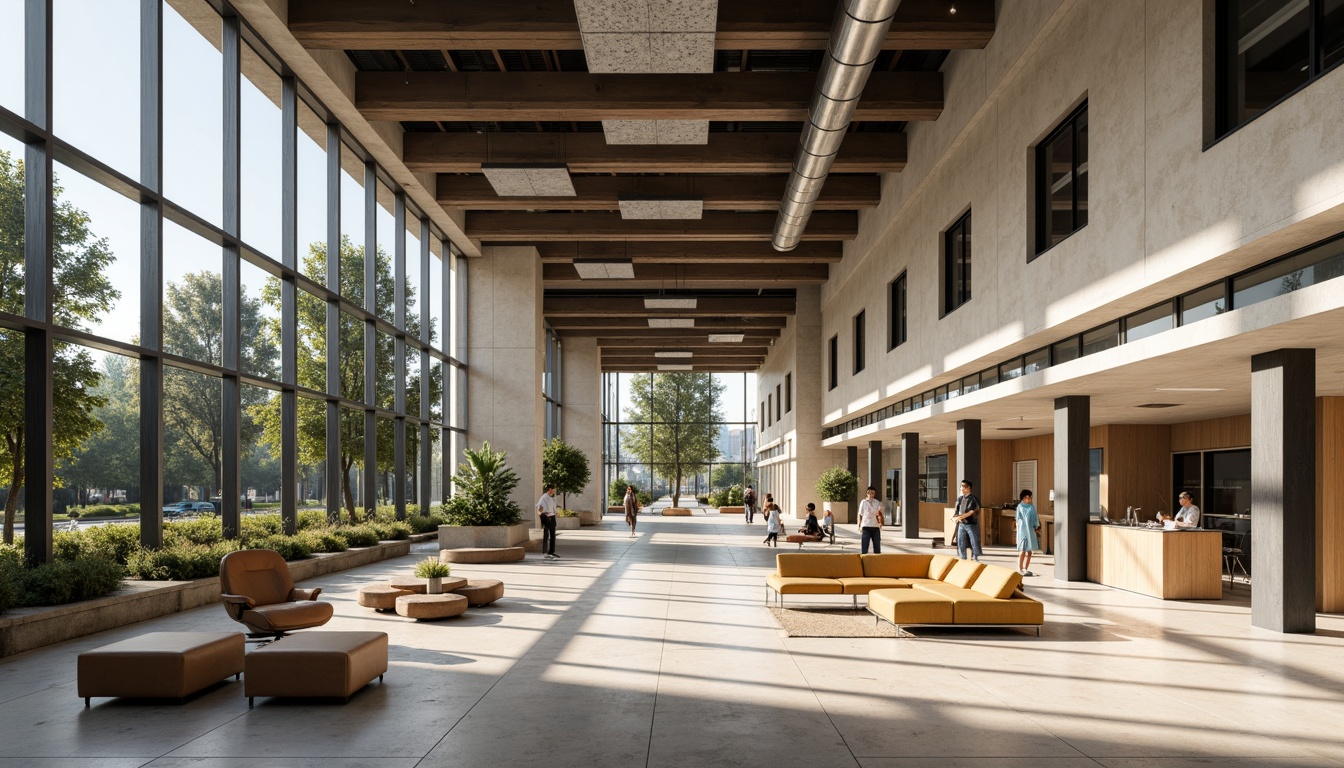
{"x": 431, "y": 606}
{"x": 482, "y": 555}
{"x": 160, "y": 665}
{"x": 316, "y": 665}
{"x": 481, "y": 591}
{"x": 420, "y": 586}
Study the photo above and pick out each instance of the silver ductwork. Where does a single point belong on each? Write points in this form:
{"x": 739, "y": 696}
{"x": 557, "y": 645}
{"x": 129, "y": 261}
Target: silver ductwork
{"x": 856, "y": 39}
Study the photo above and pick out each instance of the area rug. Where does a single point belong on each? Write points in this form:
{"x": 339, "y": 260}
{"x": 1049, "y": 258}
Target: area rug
{"x": 830, "y": 622}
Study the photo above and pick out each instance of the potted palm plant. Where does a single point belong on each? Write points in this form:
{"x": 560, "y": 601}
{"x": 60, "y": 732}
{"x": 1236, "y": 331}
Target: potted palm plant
{"x": 433, "y": 572}
{"x": 481, "y": 512}
{"x": 836, "y": 486}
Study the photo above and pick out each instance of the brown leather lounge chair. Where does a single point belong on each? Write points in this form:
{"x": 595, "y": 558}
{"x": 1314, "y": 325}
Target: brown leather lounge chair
{"x": 259, "y": 594}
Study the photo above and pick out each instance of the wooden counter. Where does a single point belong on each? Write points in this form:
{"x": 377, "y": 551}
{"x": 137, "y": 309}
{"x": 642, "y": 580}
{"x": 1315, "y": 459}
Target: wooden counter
{"x": 1172, "y": 565}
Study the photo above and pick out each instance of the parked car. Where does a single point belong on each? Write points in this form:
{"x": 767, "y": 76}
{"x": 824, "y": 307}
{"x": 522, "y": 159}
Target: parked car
{"x": 178, "y": 508}
{"x": 203, "y": 506}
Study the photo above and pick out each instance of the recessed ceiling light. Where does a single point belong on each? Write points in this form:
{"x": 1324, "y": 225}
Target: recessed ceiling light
{"x": 671, "y": 322}
{"x": 605, "y": 269}
{"x": 1013, "y": 429}
{"x": 669, "y": 302}
{"x": 676, "y": 367}
{"x": 672, "y": 354}
{"x": 726, "y": 338}
{"x": 1188, "y": 389}
{"x": 1158, "y": 405}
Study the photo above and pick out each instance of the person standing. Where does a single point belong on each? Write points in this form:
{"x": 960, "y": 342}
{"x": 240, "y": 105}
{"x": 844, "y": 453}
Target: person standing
{"x": 1028, "y": 525}
{"x": 870, "y": 521}
{"x": 967, "y": 515}
{"x": 749, "y": 504}
{"x": 546, "y": 511}
{"x": 631, "y": 508}
{"x": 772, "y": 525}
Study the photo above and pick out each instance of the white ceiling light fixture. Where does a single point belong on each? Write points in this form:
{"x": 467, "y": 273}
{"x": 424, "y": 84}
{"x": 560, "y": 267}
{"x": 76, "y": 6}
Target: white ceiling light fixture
{"x": 671, "y": 322}
{"x": 661, "y": 208}
{"x": 605, "y": 269}
{"x": 669, "y": 302}
{"x": 726, "y": 338}
{"x": 516, "y": 180}
{"x": 665, "y": 367}
{"x": 672, "y": 354}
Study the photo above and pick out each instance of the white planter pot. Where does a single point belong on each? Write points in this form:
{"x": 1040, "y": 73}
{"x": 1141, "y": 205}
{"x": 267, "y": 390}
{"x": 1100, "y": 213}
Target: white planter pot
{"x": 567, "y": 523}
{"x": 490, "y": 536}
{"x": 434, "y": 585}
{"x": 840, "y": 509}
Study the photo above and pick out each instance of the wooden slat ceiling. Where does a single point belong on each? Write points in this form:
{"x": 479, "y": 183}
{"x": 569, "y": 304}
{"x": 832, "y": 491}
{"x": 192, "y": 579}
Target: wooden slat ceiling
{"x": 508, "y": 83}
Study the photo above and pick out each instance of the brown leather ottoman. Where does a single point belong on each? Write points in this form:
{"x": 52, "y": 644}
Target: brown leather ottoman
{"x": 316, "y": 665}
{"x": 380, "y": 597}
{"x": 482, "y": 555}
{"x": 166, "y": 665}
{"x": 431, "y": 606}
{"x": 418, "y": 586}
{"x": 481, "y": 591}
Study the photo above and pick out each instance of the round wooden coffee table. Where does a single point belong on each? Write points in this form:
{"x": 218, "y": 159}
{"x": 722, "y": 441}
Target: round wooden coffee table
{"x": 431, "y": 606}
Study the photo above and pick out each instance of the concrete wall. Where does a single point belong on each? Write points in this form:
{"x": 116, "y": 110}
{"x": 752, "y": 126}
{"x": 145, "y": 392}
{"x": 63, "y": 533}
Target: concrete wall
{"x": 1166, "y": 214}
{"x": 581, "y": 414}
{"x": 506, "y": 345}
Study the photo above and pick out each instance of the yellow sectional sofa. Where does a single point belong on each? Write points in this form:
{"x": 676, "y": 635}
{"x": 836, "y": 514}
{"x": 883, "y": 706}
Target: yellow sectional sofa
{"x": 910, "y": 589}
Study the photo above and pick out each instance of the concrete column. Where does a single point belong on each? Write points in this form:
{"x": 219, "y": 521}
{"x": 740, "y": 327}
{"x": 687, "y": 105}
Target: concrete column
{"x": 581, "y": 414}
{"x": 910, "y": 485}
{"x": 1283, "y": 490}
{"x": 852, "y": 464}
{"x": 968, "y": 456}
{"x": 507, "y": 358}
{"x": 810, "y": 459}
{"x": 875, "y": 478}
{"x": 1072, "y": 491}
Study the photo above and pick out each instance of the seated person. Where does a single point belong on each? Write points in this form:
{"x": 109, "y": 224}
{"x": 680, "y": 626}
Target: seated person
{"x": 827, "y": 522}
{"x": 1188, "y": 517}
{"x": 810, "y": 526}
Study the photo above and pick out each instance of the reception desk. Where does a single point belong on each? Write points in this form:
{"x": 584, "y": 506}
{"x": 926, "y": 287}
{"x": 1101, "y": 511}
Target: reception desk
{"x": 1172, "y": 565}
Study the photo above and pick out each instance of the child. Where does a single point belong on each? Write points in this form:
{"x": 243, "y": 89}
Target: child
{"x": 772, "y": 525}
{"x": 1028, "y": 529}
{"x": 828, "y": 524}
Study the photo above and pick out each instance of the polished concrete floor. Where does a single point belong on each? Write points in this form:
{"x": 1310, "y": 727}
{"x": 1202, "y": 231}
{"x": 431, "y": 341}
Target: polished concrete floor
{"x": 658, "y": 651}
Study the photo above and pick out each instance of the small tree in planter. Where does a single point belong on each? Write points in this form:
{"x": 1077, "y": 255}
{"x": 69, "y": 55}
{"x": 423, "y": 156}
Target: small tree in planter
{"x": 836, "y": 486}
{"x": 482, "y": 486}
{"x": 565, "y": 467}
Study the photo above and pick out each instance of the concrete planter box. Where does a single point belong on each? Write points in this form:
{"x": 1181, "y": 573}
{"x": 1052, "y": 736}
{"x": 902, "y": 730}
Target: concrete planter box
{"x": 28, "y": 628}
{"x": 615, "y": 510}
{"x": 591, "y": 518}
{"x": 459, "y": 536}
{"x": 732, "y": 510}
{"x": 567, "y": 523}
{"x": 840, "y": 509}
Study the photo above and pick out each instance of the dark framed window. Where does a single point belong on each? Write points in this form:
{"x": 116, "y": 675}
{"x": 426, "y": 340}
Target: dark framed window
{"x": 1267, "y": 50}
{"x": 835, "y": 363}
{"x": 897, "y": 328}
{"x": 788, "y": 393}
{"x": 957, "y": 264}
{"x": 769, "y": 410}
{"x": 779, "y": 403}
{"x": 860, "y": 339}
{"x": 1061, "y": 181}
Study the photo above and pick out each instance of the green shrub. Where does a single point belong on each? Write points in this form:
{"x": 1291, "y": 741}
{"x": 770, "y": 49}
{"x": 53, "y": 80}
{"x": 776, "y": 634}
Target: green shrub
{"x": 616, "y": 491}
{"x": 312, "y": 518}
{"x": 726, "y": 497}
{"x": 255, "y": 527}
{"x": 702, "y": 499}
{"x": 108, "y": 542}
{"x": 11, "y": 573}
{"x": 837, "y": 484}
{"x": 68, "y": 581}
{"x": 179, "y": 562}
{"x": 425, "y": 524}
{"x": 357, "y": 535}
{"x": 325, "y": 540}
{"x": 484, "y": 483}
{"x": 206, "y": 529}
{"x": 394, "y": 530}
{"x": 289, "y": 547}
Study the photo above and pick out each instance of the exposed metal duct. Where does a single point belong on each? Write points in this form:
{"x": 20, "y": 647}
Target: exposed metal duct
{"x": 856, "y": 39}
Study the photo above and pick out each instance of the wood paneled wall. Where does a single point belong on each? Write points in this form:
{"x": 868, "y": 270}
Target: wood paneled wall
{"x": 1330, "y": 504}
{"x": 1211, "y": 435}
{"x": 996, "y": 472}
{"x": 1136, "y": 469}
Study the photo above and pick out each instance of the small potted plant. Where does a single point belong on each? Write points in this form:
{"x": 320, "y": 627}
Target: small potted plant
{"x": 836, "y": 486}
{"x": 433, "y": 572}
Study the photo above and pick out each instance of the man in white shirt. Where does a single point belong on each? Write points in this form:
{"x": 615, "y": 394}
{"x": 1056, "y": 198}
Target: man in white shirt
{"x": 870, "y": 521}
{"x": 546, "y": 511}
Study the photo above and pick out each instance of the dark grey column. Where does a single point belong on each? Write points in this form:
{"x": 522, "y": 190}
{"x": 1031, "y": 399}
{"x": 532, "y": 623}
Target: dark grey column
{"x": 401, "y": 467}
{"x": 370, "y": 500}
{"x": 151, "y": 271}
{"x": 231, "y": 388}
{"x": 852, "y": 464}
{"x": 910, "y": 485}
{"x": 289, "y": 254}
{"x": 426, "y": 491}
{"x": 1072, "y": 491}
{"x": 1283, "y": 490}
{"x": 968, "y": 456}
{"x": 875, "y": 478}
{"x": 335, "y": 474}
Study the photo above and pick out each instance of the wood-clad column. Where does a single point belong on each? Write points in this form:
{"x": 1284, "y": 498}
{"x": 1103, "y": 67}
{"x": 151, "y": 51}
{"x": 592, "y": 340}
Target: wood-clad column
{"x": 910, "y": 485}
{"x": 1283, "y": 490}
{"x": 1072, "y": 491}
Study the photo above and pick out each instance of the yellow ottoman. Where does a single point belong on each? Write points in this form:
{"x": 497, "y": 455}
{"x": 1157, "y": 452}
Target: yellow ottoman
{"x": 910, "y": 606}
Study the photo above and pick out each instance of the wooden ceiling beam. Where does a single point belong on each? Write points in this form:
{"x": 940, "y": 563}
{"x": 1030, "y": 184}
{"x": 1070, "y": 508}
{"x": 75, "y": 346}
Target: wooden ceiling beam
{"x": 736, "y": 152}
{"x": 492, "y": 226}
{"x": 692, "y": 276}
{"x": 553, "y": 25}
{"x": 740, "y": 96}
{"x": 633, "y": 306}
{"x": 749, "y": 361}
{"x": 683, "y": 336}
{"x": 819, "y": 252}
{"x": 718, "y": 192}
{"x": 702, "y": 324}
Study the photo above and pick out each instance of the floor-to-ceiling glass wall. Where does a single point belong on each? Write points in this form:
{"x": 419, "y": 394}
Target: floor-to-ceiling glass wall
{"x": 639, "y": 424}
{"x": 196, "y": 263}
